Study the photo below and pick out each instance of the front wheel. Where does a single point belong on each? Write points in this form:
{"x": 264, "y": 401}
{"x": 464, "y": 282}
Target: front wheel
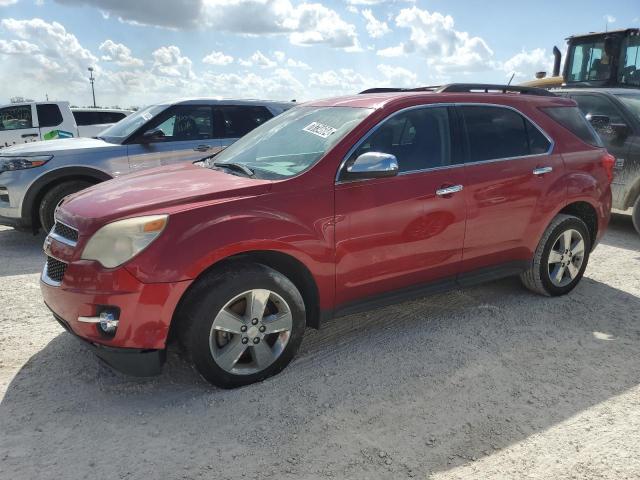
{"x": 561, "y": 257}
{"x": 243, "y": 325}
{"x": 53, "y": 197}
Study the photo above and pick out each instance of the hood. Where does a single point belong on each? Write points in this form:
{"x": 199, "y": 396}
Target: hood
{"x": 157, "y": 190}
{"x": 60, "y": 145}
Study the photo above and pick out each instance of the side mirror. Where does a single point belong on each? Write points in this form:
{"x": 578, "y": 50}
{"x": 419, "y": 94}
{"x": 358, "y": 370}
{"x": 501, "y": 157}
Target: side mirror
{"x": 372, "y": 165}
{"x": 153, "y": 135}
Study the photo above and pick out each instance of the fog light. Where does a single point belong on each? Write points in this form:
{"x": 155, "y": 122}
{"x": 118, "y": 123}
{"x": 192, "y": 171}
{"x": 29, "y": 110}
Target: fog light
{"x": 108, "y": 323}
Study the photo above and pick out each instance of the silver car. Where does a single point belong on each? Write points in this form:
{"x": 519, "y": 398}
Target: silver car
{"x": 35, "y": 177}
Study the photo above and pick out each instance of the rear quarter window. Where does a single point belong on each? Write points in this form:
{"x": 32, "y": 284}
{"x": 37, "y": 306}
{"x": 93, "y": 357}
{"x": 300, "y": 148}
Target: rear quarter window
{"x": 573, "y": 120}
{"x": 49, "y": 115}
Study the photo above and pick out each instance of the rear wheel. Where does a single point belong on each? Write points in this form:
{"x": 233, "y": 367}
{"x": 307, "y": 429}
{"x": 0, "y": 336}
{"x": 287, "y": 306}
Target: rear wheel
{"x": 561, "y": 257}
{"x": 636, "y": 214}
{"x": 243, "y": 325}
{"x": 53, "y": 197}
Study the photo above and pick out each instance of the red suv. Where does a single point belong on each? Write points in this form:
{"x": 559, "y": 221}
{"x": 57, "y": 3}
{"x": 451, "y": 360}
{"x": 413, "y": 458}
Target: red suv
{"x": 333, "y": 207}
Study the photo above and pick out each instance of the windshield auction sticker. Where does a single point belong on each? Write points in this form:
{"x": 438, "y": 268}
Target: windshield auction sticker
{"x": 320, "y": 129}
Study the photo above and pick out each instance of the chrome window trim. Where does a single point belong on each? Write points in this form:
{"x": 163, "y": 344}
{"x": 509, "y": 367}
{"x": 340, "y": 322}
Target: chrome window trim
{"x": 443, "y": 167}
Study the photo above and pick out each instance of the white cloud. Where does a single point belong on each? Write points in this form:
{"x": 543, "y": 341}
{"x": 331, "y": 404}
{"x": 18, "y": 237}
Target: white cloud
{"x": 119, "y": 54}
{"x": 526, "y": 63}
{"x": 217, "y": 58}
{"x": 609, "y": 18}
{"x": 397, "y": 76}
{"x": 17, "y": 47}
{"x": 258, "y": 59}
{"x": 280, "y": 84}
{"x": 397, "y": 51}
{"x": 341, "y": 81}
{"x": 169, "y": 62}
{"x": 305, "y": 23}
{"x": 6, "y": 3}
{"x": 376, "y": 2}
{"x": 375, "y": 27}
{"x": 433, "y": 36}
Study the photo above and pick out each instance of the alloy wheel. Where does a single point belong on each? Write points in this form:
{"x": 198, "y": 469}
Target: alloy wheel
{"x": 250, "y": 332}
{"x": 566, "y": 257}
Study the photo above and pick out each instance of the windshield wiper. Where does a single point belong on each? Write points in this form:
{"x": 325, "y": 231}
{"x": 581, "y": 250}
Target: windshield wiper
{"x": 241, "y": 167}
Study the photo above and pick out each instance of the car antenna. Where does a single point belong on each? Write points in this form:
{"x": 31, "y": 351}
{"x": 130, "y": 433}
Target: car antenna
{"x": 511, "y": 79}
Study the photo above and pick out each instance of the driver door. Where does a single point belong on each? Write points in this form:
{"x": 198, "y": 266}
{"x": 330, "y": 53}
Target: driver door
{"x": 393, "y": 233}
{"x": 185, "y": 135}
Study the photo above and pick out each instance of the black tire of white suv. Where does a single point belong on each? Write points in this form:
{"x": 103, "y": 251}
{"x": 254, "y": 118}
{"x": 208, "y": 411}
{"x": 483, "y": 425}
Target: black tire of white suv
{"x": 635, "y": 215}
{"x": 53, "y": 197}
{"x": 242, "y": 324}
{"x": 561, "y": 257}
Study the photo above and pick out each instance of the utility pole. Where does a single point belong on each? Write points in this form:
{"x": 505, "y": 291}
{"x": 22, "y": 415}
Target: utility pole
{"x": 91, "y": 79}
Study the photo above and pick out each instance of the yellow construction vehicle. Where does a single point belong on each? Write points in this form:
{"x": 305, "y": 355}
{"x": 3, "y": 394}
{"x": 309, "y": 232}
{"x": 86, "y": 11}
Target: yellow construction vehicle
{"x": 596, "y": 59}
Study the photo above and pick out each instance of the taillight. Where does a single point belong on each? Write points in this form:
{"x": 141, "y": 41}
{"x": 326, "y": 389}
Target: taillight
{"x": 608, "y": 162}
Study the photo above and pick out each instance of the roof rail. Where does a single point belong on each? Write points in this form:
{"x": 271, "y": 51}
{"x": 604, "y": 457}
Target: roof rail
{"x": 468, "y": 88}
{"x": 491, "y": 88}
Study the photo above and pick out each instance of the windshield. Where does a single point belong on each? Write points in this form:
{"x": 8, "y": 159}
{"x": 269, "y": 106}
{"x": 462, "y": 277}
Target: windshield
{"x": 589, "y": 62}
{"x": 632, "y": 102}
{"x": 630, "y": 61}
{"x": 125, "y": 127}
{"x": 293, "y": 141}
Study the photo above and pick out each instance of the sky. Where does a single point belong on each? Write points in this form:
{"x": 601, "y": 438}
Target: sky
{"x": 147, "y": 51}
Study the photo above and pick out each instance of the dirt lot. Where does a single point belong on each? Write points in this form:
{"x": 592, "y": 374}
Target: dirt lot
{"x": 490, "y": 382}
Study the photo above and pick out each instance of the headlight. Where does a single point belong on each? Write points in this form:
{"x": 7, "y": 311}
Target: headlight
{"x": 20, "y": 163}
{"x": 117, "y": 242}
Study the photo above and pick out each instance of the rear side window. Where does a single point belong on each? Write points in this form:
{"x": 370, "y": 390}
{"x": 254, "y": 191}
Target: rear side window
{"x": 573, "y": 120}
{"x": 238, "y": 120}
{"x": 110, "y": 117}
{"x": 83, "y": 118}
{"x": 49, "y": 115}
{"x": 15, "y": 117}
{"x": 495, "y": 133}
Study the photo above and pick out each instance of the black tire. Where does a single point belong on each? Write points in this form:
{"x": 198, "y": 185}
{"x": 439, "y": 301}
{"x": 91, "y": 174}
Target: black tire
{"x": 53, "y": 197}
{"x": 635, "y": 215}
{"x": 207, "y": 298}
{"x": 537, "y": 278}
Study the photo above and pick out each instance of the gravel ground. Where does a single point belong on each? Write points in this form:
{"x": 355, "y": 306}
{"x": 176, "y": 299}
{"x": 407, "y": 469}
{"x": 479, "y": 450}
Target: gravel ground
{"x": 489, "y": 382}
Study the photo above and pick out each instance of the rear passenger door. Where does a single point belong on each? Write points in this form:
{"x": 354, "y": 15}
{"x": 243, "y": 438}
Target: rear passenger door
{"x": 235, "y": 121}
{"x": 392, "y": 233}
{"x": 187, "y": 136}
{"x": 511, "y": 176}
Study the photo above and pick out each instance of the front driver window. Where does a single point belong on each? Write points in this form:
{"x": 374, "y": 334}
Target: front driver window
{"x": 185, "y": 123}
{"x": 418, "y": 138}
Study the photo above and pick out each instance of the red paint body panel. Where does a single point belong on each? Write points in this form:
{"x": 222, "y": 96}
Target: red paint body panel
{"x": 395, "y": 232}
{"x": 146, "y": 310}
{"x": 358, "y": 239}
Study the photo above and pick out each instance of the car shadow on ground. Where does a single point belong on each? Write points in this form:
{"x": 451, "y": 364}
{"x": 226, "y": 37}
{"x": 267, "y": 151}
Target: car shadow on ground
{"x": 432, "y": 383}
{"x": 622, "y": 234}
{"x": 20, "y": 252}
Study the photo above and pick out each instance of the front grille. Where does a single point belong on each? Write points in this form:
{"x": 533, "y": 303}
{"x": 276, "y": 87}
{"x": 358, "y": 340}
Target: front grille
{"x": 65, "y": 231}
{"x": 55, "y": 269}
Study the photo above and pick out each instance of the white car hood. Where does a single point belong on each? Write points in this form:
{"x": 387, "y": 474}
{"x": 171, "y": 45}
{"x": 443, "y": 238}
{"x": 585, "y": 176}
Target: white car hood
{"x": 53, "y": 146}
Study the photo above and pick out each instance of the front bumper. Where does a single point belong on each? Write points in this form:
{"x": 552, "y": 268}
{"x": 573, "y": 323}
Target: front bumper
{"x": 132, "y": 361}
{"x": 145, "y": 313}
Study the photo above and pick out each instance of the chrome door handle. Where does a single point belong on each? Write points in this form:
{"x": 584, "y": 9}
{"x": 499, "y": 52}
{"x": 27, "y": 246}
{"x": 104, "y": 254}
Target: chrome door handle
{"x": 202, "y": 148}
{"x": 542, "y": 170}
{"x": 441, "y": 192}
